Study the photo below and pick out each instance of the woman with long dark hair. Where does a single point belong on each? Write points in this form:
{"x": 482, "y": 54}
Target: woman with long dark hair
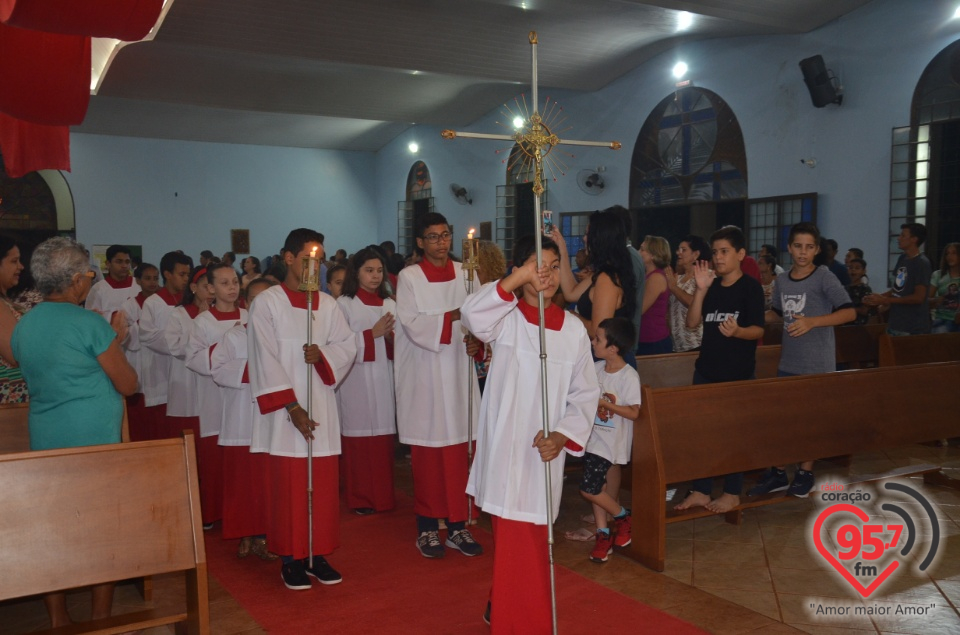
{"x": 610, "y": 290}
{"x": 12, "y": 387}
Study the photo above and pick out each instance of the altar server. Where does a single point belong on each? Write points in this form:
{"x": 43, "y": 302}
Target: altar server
{"x": 280, "y": 366}
{"x": 431, "y": 374}
{"x": 107, "y": 295}
{"x": 142, "y": 425}
{"x": 368, "y": 406}
{"x": 508, "y": 479}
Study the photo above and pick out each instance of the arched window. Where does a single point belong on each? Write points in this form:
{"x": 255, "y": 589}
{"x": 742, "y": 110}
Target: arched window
{"x": 419, "y": 201}
{"x": 689, "y": 149}
{"x": 925, "y": 159}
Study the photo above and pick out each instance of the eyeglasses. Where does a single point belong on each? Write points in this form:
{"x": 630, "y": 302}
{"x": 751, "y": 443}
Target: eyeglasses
{"x": 433, "y": 239}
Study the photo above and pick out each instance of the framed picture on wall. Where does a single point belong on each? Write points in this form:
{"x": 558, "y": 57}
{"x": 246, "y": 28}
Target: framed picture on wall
{"x": 240, "y": 241}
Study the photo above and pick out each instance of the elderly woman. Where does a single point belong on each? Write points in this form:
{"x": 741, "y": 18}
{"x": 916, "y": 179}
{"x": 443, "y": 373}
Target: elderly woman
{"x": 75, "y": 372}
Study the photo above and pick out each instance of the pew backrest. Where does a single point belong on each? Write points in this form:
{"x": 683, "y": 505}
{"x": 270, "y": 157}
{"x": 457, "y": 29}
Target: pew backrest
{"x": 919, "y": 349}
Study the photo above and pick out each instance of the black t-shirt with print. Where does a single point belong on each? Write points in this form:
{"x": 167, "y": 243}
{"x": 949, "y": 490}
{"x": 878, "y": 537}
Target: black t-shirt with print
{"x": 725, "y": 358}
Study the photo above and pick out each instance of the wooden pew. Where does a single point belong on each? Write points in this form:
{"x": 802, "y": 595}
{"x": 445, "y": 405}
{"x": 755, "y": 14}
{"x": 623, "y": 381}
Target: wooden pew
{"x": 676, "y": 369}
{"x": 685, "y": 433}
{"x": 858, "y": 345}
{"x": 82, "y": 516}
{"x": 919, "y": 349}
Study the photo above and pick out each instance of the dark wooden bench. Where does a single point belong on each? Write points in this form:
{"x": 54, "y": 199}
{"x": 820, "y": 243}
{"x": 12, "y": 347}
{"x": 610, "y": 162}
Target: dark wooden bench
{"x": 82, "y": 516}
{"x": 919, "y": 349}
{"x": 676, "y": 369}
{"x": 690, "y": 432}
{"x": 14, "y": 433}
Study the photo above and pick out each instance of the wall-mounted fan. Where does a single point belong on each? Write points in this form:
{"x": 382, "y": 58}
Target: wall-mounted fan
{"x": 461, "y": 194}
{"x": 590, "y": 182}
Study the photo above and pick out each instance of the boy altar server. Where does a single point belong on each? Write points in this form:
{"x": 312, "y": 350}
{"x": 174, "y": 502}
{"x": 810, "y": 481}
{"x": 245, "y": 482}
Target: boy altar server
{"x": 508, "y": 479}
{"x": 107, "y": 295}
{"x": 280, "y": 365}
{"x": 430, "y": 368}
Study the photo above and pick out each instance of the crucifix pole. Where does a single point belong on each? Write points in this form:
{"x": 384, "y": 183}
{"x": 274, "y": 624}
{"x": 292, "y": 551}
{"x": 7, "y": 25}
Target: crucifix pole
{"x": 536, "y": 143}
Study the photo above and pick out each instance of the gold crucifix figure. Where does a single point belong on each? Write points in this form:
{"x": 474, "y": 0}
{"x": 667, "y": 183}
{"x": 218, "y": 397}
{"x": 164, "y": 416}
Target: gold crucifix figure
{"x": 535, "y": 144}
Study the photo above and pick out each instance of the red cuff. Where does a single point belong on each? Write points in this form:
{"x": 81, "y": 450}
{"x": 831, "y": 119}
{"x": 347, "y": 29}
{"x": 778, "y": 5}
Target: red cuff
{"x": 326, "y": 373}
{"x": 210, "y": 356}
{"x": 245, "y": 378}
{"x": 573, "y": 447}
{"x": 275, "y": 400}
{"x": 481, "y": 353}
{"x": 506, "y": 296}
{"x": 369, "y": 348}
{"x": 446, "y": 335}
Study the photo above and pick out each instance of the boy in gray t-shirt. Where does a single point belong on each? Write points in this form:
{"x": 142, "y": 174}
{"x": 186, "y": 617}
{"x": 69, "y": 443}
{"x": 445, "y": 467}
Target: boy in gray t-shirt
{"x": 811, "y": 301}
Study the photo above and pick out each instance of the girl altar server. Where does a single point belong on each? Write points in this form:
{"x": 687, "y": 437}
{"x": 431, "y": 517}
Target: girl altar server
{"x": 368, "y": 406}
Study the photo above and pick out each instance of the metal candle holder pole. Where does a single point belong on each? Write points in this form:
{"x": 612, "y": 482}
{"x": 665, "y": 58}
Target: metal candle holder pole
{"x": 470, "y": 265}
{"x": 310, "y": 282}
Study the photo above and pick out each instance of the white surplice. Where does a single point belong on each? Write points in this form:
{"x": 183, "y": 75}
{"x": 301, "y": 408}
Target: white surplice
{"x": 368, "y": 405}
{"x": 182, "y": 400}
{"x": 507, "y": 479}
{"x": 154, "y": 353}
{"x": 276, "y": 335}
{"x": 106, "y": 298}
{"x": 132, "y": 309}
{"x": 208, "y": 330}
{"x": 430, "y": 377}
{"x": 228, "y": 368}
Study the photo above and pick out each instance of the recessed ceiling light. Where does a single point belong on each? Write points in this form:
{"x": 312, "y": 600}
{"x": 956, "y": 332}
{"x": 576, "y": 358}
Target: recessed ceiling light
{"x": 956, "y": 14}
{"x": 518, "y": 122}
{"x": 684, "y": 20}
{"x": 679, "y": 69}
{"x": 413, "y": 147}
{"x": 414, "y": 72}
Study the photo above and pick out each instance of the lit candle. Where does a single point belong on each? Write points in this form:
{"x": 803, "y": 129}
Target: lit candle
{"x": 310, "y": 272}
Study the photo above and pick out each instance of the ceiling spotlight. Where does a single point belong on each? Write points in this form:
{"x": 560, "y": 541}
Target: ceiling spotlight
{"x": 413, "y": 147}
{"x": 679, "y": 70}
{"x": 684, "y": 20}
{"x": 956, "y": 14}
{"x": 518, "y": 122}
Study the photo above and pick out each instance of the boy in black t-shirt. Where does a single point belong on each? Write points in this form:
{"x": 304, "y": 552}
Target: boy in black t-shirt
{"x": 730, "y": 305}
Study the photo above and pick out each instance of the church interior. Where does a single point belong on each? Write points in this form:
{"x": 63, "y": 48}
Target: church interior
{"x": 264, "y": 117}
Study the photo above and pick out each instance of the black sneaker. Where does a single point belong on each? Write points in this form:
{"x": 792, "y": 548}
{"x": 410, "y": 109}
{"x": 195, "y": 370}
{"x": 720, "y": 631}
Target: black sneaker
{"x": 802, "y": 484}
{"x": 294, "y": 576}
{"x": 322, "y": 571}
{"x": 428, "y": 542}
{"x": 772, "y": 480}
{"x": 463, "y": 542}
{"x": 486, "y": 614}
{"x": 364, "y": 511}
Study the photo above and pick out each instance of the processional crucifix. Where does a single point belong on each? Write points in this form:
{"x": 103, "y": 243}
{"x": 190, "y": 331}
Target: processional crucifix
{"x": 535, "y": 141}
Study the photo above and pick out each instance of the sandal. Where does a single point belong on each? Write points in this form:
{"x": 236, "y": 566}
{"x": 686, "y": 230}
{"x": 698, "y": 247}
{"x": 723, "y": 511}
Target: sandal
{"x": 260, "y": 550}
{"x": 246, "y": 546}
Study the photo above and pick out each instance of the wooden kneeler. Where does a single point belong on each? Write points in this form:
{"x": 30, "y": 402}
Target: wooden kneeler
{"x": 81, "y": 516}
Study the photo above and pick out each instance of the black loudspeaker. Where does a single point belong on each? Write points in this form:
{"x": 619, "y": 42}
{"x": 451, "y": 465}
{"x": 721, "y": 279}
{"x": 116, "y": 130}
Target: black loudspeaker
{"x": 819, "y": 82}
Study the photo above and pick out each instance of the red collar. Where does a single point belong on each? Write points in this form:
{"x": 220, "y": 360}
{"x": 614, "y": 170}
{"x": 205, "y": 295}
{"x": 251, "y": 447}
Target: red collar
{"x": 126, "y": 284}
{"x": 169, "y": 298}
{"x": 436, "y": 274}
{"x": 298, "y": 299}
{"x": 140, "y": 299}
{"x": 192, "y": 310}
{"x": 370, "y": 299}
{"x": 552, "y": 315}
{"x": 223, "y": 317}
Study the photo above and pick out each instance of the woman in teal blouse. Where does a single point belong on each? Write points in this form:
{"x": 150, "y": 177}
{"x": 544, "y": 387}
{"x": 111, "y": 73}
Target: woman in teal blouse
{"x": 75, "y": 372}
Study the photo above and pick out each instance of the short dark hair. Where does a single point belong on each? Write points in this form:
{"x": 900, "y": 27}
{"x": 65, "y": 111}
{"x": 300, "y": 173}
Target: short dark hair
{"x": 266, "y": 282}
{"x": 300, "y": 237}
{"x": 833, "y": 244}
{"x": 856, "y": 251}
{"x": 730, "y": 233}
{"x": 113, "y": 250}
{"x": 620, "y": 333}
{"x": 389, "y": 247}
{"x": 142, "y": 269}
{"x": 429, "y": 219}
{"x": 698, "y": 244}
{"x": 771, "y": 249}
{"x": 334, "y": 269}
{"x": 804, "y": 228}
{"x": 170, "y": 260}
{"x": 526, "y": 246}
{"x": 770, "y": 260}
{"x": 860, "y": 261}
{"x": 206, "y": 253}
{"x": 917, "y": 230}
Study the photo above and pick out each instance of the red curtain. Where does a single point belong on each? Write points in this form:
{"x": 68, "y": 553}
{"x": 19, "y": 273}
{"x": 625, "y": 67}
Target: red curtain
{"x": 45, "y": 71}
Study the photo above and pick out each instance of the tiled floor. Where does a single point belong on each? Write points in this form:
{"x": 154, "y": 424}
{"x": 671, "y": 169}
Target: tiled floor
{"x": 760, "y": 577}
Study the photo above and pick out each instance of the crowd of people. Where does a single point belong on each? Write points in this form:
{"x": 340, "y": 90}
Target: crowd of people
{"x": 387, "y": 352}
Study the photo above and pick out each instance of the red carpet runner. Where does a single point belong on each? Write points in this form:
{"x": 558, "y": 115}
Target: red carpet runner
{"x": 388, "y": 587}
